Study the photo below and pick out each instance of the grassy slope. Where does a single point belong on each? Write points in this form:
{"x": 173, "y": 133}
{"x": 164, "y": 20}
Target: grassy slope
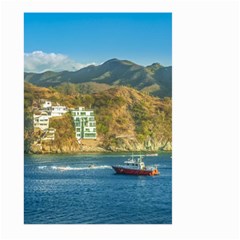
{"x": 126, "y": 118}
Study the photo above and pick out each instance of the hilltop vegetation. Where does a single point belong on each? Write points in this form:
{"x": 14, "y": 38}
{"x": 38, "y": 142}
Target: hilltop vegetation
{"x": 155, "y": 79}
{"x": 130, "y": 118}
{"x": 83, "y": 88}
{"x": 127, "y": 120}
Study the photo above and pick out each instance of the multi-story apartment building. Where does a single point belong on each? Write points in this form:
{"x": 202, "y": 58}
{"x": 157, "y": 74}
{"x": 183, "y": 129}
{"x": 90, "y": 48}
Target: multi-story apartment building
{"x": 85, "y": 124}
{"x": 41, "y": 120}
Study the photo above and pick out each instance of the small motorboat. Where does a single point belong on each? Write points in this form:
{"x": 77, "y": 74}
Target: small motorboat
{"x": 91, "y": 166}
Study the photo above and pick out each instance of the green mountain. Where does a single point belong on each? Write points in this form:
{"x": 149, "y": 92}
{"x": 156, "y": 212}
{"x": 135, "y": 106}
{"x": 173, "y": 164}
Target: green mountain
{"x": 154, "y": 79}
{"x": 127, "y": 120}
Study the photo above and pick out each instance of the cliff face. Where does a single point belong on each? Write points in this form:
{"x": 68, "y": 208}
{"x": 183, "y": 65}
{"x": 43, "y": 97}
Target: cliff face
{"x": 127, "y": 120}
{"x": 121, "y": 145}
{"x": 134, "y": 145}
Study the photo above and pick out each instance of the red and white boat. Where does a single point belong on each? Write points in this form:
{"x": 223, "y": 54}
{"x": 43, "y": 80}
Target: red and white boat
{"x": 135, "y": 167}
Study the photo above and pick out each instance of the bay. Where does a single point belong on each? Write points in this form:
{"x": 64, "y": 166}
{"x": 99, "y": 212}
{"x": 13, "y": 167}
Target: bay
{"x": 62, "y": 189}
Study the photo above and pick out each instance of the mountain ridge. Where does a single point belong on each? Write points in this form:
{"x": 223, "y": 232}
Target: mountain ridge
{"x": 153, "y": 79}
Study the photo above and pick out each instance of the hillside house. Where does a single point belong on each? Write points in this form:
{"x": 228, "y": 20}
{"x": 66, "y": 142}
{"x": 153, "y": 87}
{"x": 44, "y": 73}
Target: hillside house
{"x": 85, "y": 124}
{"x": 45, "y": 104}
{"x": 41, "y": 120}
{"x": 42, "y": 115}
{"x": 57, "y": 111}
{"x": 49, "y": 134}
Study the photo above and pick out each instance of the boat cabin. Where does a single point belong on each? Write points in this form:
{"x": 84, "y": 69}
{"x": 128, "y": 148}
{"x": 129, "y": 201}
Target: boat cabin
{"x": 132, "y": 163}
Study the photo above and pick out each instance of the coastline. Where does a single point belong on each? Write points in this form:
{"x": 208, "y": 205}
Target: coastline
{"x": 103, "y": 153}
{"x": 97, "y": 147}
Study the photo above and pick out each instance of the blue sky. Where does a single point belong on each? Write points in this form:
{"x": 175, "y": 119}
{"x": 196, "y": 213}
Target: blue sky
{"x": 84, "y": 38}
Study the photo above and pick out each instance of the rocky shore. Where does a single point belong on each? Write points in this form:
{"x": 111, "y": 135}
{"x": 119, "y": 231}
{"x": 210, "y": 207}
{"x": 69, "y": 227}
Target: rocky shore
{"x": 94, "y": 146}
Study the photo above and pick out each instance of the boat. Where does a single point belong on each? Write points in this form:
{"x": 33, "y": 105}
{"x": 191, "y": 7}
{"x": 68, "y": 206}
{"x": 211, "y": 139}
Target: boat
{"x": 91, "y": 166}
{"x": 135, "y": 167}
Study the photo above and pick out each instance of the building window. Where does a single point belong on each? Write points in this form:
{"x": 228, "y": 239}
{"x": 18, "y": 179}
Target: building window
{"x": 83, "y": 113}
{"x": 77, "y": 124}
{"x": 78, "y": 130}
{"x": 90, "y": 135}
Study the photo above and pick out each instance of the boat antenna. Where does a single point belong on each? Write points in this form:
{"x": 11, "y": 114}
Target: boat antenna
{"x": 132, "y": 155}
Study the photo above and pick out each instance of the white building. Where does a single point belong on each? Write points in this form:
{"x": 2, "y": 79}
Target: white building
{"x": 85, "y": 124}
{"x": 41, "y": 120}
{"x": 46, "y": 104}
{"x": 49, "y": 134}
{"x": 58, "y": 111}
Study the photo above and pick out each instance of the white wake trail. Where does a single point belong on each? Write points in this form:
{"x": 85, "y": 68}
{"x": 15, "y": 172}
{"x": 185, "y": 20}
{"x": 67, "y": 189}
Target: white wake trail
{"x": 68, "y": 168}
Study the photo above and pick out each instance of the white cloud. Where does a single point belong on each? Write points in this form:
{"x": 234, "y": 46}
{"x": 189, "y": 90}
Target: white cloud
{"x": 39, "y": 61}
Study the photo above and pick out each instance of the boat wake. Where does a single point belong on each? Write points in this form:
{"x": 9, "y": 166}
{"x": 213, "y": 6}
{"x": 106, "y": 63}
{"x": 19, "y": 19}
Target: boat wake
{"x": 68, "y": 168}
{"x": 42, "y": 167}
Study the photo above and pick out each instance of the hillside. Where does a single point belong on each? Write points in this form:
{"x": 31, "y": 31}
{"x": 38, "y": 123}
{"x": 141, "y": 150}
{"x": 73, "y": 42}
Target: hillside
{"x": 154, "y": 79}
{"x": 127, "y": 120}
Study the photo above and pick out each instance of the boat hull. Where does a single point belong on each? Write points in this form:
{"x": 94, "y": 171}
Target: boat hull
{"x": 121, "y": 170}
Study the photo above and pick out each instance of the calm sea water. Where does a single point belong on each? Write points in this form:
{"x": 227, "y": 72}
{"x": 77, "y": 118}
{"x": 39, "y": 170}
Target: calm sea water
{"x": 62, "y": 189}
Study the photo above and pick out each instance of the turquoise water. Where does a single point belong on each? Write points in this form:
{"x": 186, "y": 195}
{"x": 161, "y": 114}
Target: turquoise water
{"x": 62, "y": 189}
